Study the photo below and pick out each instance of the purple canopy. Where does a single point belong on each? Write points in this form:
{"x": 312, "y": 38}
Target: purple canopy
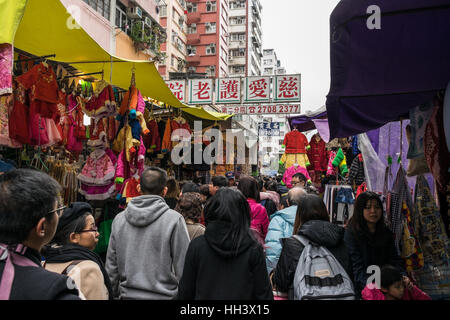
{"x": 378, "y": 75}
{"x": 304, "y": 122}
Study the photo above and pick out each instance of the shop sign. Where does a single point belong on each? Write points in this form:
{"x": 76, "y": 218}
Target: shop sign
{"x": 269, "y": 129}
{"x": 178, "y": 88}
{"x": 262, "y": 109}
{"x": 257, "y": 89}
{"x": 287, "y": 88}
{"x": 200, "y": 91}
{"x": 228, "y": 90}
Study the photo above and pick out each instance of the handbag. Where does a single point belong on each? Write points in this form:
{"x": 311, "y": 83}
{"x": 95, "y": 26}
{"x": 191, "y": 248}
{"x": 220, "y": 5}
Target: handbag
{"x": 105, "y": 233}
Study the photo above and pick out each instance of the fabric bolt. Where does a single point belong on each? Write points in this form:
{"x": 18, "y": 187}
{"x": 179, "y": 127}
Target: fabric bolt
{"x": 317, "y": 155}
{"x": 295, "y": 142}
{"x": 287, "y": 176}
{"x": 6, "y": 68}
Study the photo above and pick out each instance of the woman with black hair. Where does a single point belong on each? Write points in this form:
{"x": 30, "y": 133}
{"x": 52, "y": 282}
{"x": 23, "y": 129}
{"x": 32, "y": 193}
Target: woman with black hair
{"x": 226, "y": 263}
{"x": 311, "y": 221}
{"x": 368, "y": 240}
{"x": 71, "y": 252}
{"x": 259, "y": 219}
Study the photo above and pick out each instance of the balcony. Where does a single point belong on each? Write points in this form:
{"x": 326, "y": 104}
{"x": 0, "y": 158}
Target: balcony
{"x": 193, "y": 38}
{"x": 193, "y": 17}
{"x": 236, "y": 44}
{"x": 193, "y": 60}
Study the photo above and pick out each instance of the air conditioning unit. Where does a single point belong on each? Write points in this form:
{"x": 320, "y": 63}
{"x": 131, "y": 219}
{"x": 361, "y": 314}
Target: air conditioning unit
{"x": 134, "y": 13}
{"x": 148, "y": 21}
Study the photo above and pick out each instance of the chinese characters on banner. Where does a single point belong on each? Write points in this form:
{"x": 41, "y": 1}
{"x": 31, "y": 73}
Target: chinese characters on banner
{"x": 228, "y": 90}
{"x": 262, "y": 109}
{"x": 271, "y": 129}
{"x": 178, "y": 88}
{"x": 287, "y": 88}
{"x": 200, "y": 91}
{"x": 257, "y": 89}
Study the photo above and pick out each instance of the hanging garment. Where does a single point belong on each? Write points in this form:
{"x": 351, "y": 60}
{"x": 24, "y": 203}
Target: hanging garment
{"x": 99, "y": 169}
{"x": 53, "y": 134}
{"x": 6, "y": 107}
{"x": 6, "y": 68}
{"x": 167, "y": 142}
{"x": 295, "y": 142}
{"x": 294, "y": 158}
{"x": 73, "y": 144}
{"x": 411, "y": 251}
{"x": 152, "y": 141}
{"x": 287, "y": 176}
{"x": 317, "y": 154}
{"x": 340, "y": 162}
{"x": 102, "y": 104}
{"x": 19, "y": 127}
{"x": 331, "y": 170}
{"x": 129, "y": 190}
{"x": 435, "y": 146}
{"x": 356, "y": 175}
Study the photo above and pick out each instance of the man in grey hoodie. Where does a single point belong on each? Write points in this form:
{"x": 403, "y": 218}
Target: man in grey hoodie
{"x": 148, "y": 244}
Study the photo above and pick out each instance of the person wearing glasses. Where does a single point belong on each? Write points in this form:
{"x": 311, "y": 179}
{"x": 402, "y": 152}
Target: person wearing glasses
{"x": 71, "y": 252}
{"x": 29, "y": 215}
{"x": 368, "y": 240}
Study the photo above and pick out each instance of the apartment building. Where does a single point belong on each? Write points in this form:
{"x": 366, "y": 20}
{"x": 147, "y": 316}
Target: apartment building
{"x": 125, "y": 28}
{"x": 245, "y": 38}
{"x": 271, "y": 63}
{"x": 173, "y": 17}
{"x": 207, "y": 31}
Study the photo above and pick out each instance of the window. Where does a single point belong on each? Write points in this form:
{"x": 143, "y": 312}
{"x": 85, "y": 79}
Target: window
{"x": 122, "y": 20}
{"x": 238, "y": 37}
{"x": 192, "y": 69}
{"x": 191, "y": 50}
{"x": 210, "y": 27}
{"x": 240, "y": 4}
{"x": 172, "y": 60}
{"x": 268, "y": 62}
{"x": 163, "y": 11}
{"x": 237, "y": 20}
{"x": 238, "y": 52}
{"x": 192, "y": 28}
{"x": 238, "y": 69}
{"x": 103, "y": 7}
{"x": 211, "y": 6}
{"x": 191, "y": 7}
{"x": 211, "y": 49}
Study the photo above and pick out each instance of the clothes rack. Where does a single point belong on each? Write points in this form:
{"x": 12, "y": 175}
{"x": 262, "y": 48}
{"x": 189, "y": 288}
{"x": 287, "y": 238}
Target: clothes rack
{"x": 340, "y": 210}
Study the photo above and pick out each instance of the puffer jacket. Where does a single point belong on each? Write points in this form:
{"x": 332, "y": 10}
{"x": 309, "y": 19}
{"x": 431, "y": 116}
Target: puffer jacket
{"x": 259, "y": 218}
{"x": 323, "y": 233}
{"x": 280, "y": 226}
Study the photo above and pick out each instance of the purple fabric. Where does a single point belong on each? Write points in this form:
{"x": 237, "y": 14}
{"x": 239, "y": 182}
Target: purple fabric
{"x": 305, "y": 123}
{"x": 389, "y": 143}
{"x": 323, "y": 128}
{"x": 374, "y": 137}
{"x": 375, "y": 77}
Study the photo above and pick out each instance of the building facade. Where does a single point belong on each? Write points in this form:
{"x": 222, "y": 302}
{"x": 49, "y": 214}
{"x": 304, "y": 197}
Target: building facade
{"x": 128, "y": 29}
{"x": 173, "y": 17}
{"x": 245, "y": 38}
{"x": 271, "y": 64}
{"x": 207, "y": 30}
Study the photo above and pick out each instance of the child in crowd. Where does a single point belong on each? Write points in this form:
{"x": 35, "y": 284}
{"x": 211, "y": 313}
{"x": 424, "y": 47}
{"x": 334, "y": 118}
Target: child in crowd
{"x": 394, "y": 286}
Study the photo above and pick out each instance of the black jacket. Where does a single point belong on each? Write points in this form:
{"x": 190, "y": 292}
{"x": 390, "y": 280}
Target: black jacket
{"x": 367, "y": 249}
{"x": 213, "y": 271}
{"x": 36, "y": 283}
{"x": 323, "y": 233}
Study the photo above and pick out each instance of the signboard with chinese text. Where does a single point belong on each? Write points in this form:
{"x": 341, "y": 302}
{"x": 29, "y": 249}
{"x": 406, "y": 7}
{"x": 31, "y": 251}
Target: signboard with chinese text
{"x": 257, "y": 89}
{"x": 228, "y": 90}
{"x": 262, "y": 109}
{"x": 269, "y": 129}
{"x": 200, "y": 91}
{"x": 287, "y": 88}
{"x": 178, "y": 88}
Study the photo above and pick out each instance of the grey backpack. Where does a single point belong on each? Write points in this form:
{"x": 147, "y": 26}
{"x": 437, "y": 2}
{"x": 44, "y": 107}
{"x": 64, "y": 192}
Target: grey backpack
{"x": 319, "y": 275}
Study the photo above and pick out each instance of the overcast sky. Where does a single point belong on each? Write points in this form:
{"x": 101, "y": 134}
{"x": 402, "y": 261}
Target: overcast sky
{"x": 298, "y": 30}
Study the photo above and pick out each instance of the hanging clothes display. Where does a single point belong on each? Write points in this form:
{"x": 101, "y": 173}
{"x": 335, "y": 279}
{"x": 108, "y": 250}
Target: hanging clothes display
{"x": 296, "y": 145}
{"x": 339, "y": 200}
{"x": 356, "y": 174}
{"x": 6, "y": 66}
{"x": 6, "y": 107}
{"x": 103, "y": 102}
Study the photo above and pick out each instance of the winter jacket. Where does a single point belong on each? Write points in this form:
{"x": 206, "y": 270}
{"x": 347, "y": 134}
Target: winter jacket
{"x": 259, "y": 218}
{"x": 356, "y": 174}
{"x": 366, "y": 250}
{"x": 146, "y": 251}
{"x": 317, "y": 155}
{"x": 36, "y": 283}
{"x": 280, "y": 226}
{"x": 289, "y": 173}
{"x": 295, "y": 142}
{"x": 413, "y": 294}
{"x": 323, "y": 233}
{"x": 214, "y": 271}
